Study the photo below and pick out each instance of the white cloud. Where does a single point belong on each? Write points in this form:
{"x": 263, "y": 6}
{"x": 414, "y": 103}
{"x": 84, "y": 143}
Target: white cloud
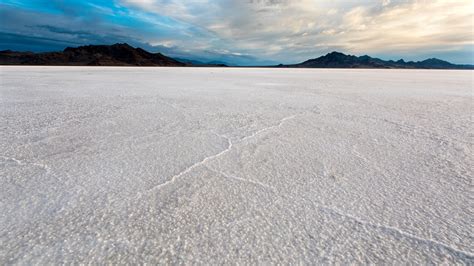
{"x": 303, "y": 28}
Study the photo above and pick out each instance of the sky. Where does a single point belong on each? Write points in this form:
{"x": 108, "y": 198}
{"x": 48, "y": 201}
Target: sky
{"x": 247, "y": 32}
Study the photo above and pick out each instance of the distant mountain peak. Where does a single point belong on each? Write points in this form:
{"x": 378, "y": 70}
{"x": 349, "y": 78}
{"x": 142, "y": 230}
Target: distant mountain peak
{"x": 335, "y": 53}
{"x": 122, "y": 45}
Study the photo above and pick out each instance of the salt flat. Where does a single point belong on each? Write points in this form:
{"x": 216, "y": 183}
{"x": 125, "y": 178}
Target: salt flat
{"x": 228, "y": 165}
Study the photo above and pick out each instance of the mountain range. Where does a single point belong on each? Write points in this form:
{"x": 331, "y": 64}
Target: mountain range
{"x": 340, "y": 60}
{"x": 122, "y": 54}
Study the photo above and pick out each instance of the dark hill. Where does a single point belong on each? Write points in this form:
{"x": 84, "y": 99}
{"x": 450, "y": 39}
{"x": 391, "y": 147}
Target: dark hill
{"x": 90, "y": 55}
{"x": 340, "y": 60}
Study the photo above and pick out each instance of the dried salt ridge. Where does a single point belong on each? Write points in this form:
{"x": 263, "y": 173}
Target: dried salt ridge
{"x": 222, "y": 165}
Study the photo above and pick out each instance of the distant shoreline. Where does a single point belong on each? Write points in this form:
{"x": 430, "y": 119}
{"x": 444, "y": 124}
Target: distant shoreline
{"x": 125, "y": 55}
{"x": 242, "y": 67}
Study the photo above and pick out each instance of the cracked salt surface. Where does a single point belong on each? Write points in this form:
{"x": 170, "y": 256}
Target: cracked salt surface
{"x": 222, "y": 165}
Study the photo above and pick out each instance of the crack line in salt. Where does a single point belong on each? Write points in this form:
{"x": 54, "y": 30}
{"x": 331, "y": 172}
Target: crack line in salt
{"x": 189, "y": 169}
{"x": 258, "y": 132}
{"x": 229, "y": 147}
{"x": 391, "y": 229}
{"x": 241, "y": 179}
{"x": 21, "y": 162}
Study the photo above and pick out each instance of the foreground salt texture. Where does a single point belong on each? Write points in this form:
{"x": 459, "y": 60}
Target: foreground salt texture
{"x": 217, "y": 165}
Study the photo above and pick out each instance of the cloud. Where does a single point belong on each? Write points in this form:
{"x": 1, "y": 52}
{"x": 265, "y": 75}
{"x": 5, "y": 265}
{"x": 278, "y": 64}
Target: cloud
{"x": 299, "y": 29}
{"x": 279, "y": 30}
